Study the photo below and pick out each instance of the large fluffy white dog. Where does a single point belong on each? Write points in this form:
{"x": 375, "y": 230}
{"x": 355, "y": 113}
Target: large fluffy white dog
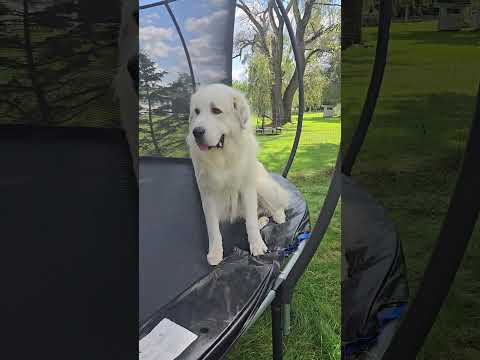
{"x": 233, "y": 184}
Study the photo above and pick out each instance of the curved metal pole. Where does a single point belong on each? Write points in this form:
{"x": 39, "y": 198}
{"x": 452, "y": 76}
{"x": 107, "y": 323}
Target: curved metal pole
{"x": 451, "y": 245}
{"x": 386, "y": 8}
{"x": 158, "y": 3}
{"x": 184, "y": 44}
{"x": 318, "y": 232}
{"x": 301, "y": 93}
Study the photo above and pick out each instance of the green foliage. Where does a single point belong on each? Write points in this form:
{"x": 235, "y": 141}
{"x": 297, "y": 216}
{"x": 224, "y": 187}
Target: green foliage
{"x": 57, "y": 64}
{"x": 240, "y": 86}
{"x": 259, "y": 84}
{"x": 164, "y": 109}
{"x": 314, "y": 83}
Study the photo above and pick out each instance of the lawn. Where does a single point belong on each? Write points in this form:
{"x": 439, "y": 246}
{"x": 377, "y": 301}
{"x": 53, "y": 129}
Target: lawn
{"x": 412, "y": 155}
{"x": 315, "y": 332}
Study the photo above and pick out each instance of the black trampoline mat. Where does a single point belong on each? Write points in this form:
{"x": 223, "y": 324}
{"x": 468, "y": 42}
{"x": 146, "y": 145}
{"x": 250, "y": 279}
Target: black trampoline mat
{"x": 177, "y": 283}
{"x": 376, "y": 269}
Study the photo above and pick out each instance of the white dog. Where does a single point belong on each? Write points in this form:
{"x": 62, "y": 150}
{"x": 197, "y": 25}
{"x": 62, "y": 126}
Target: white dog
{"x": 232, "y": 183}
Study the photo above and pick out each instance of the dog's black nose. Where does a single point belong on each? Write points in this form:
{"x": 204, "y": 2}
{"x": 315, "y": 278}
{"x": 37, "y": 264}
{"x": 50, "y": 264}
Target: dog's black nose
{"x": 198, "y": 132}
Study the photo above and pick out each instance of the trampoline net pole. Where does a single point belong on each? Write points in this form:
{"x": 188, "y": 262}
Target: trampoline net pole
{"x": 277, "y": 341}
{"x": 301, "y": 93}
{"x": 184, "y": 44}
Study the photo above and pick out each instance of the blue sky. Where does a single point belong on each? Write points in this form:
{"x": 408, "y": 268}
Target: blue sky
{"x": 203, "y": 24}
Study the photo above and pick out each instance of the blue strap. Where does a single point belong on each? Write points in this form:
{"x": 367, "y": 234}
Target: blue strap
{"x": 383, "y": 316}
{"x": 294, "y": 246}
{"x": 390, "y": 313}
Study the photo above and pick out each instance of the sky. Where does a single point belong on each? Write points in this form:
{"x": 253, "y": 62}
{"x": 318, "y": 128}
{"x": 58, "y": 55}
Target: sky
{"x": 203, "y": 24}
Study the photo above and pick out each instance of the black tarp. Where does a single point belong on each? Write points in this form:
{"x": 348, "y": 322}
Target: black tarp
{"x": 69, "y": 230}
{"x": 375, "y": 287}
{"x": 176, "y": 281}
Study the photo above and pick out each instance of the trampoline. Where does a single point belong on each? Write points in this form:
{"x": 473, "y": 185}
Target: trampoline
{"x": 213, "y": 306}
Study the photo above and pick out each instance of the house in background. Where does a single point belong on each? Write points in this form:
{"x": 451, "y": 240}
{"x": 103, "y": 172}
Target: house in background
{"x": 451, "y": 14}
{"x": 328, "y": 110}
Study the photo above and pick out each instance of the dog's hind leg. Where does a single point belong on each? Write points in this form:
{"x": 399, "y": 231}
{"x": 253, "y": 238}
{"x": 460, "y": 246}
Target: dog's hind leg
{"x": 271, "y": 196}
{"x": 262, "y": 222}
{"x": 279, "y": 216}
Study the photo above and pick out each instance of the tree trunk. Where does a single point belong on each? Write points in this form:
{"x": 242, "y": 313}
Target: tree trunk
{"x": 276, "y": 68}
{"x": 32, "y": 71}
{"x": 351, "y": 22}
{"x": 277, "y": 107}
{"x": 292, "y": 86}
{"x": 288, "y": 97}
{"x": 150, "y": 124}
{"x": 407, "y": 10}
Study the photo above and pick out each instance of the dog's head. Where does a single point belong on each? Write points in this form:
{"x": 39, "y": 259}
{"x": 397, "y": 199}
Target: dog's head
{"x": 217, "y": 113}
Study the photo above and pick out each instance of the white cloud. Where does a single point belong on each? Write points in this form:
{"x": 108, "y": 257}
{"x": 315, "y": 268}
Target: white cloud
{"x": 155, "y": 33}
{"x": 211, "y": 75}
{"x": 206, "y": 44}
{"x": 157, "y": 50}
{"x": 203, "y": 23}
{"x": 149, "y": 19}
{"x": 153, "y": 39}
{"x": 217, "y": 2}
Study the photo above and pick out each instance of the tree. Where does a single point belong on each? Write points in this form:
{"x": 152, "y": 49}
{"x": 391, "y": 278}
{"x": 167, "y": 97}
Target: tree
{"x": 259, "y": 85}
{"x": 163, "y": 128}
{"x": 267, "y": 36}
{"x": 351, "y": 22}
{"x": 316, "y": 34}
{"x": 241, "y": 86}
{"x": 53, "y": 61}
{"x": 332, "y": 77}
{"x": 149, "y": 80}
{"x": 314, "y": 87}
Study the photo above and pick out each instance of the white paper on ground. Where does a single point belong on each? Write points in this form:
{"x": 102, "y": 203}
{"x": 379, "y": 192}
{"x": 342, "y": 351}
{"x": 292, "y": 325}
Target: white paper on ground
{"x": 165, "y": 342}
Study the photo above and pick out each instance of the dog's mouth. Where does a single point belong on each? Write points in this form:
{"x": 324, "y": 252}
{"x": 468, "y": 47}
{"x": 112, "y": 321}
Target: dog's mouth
{"x": 205, "y": 147}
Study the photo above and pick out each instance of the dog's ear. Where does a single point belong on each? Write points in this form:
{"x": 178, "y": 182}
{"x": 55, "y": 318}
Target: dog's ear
{"x": 241, "y": 108}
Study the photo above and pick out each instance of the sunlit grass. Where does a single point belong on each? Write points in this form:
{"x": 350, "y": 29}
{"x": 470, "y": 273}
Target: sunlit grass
{"x": 315, "y": 332}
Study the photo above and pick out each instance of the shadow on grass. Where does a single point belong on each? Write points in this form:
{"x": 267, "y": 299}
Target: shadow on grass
{"x": 455, "y": 38}
{"x": 414, "y": 127}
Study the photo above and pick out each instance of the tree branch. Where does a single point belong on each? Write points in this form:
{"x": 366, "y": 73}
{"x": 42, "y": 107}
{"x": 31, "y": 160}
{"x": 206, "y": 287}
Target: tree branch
{"x": 260, "y": 30}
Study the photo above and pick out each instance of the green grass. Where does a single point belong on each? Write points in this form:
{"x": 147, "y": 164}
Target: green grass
{"x": 412, "y": 155}
{"x": 316, "y": 304}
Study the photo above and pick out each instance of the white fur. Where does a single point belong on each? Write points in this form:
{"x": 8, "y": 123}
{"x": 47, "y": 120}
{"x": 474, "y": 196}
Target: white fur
{"x": 233, "y": 184}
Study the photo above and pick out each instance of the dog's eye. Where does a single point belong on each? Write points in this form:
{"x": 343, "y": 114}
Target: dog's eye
{"x": 216, "y": 111}
{"x": 197, "y": 111}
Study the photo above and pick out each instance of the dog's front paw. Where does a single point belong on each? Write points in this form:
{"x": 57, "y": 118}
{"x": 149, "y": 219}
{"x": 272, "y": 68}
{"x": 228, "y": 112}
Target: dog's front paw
{"x": 279, "y": 216}
{"x": 215, "y": 256}
{"x": 257, "y": 245}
